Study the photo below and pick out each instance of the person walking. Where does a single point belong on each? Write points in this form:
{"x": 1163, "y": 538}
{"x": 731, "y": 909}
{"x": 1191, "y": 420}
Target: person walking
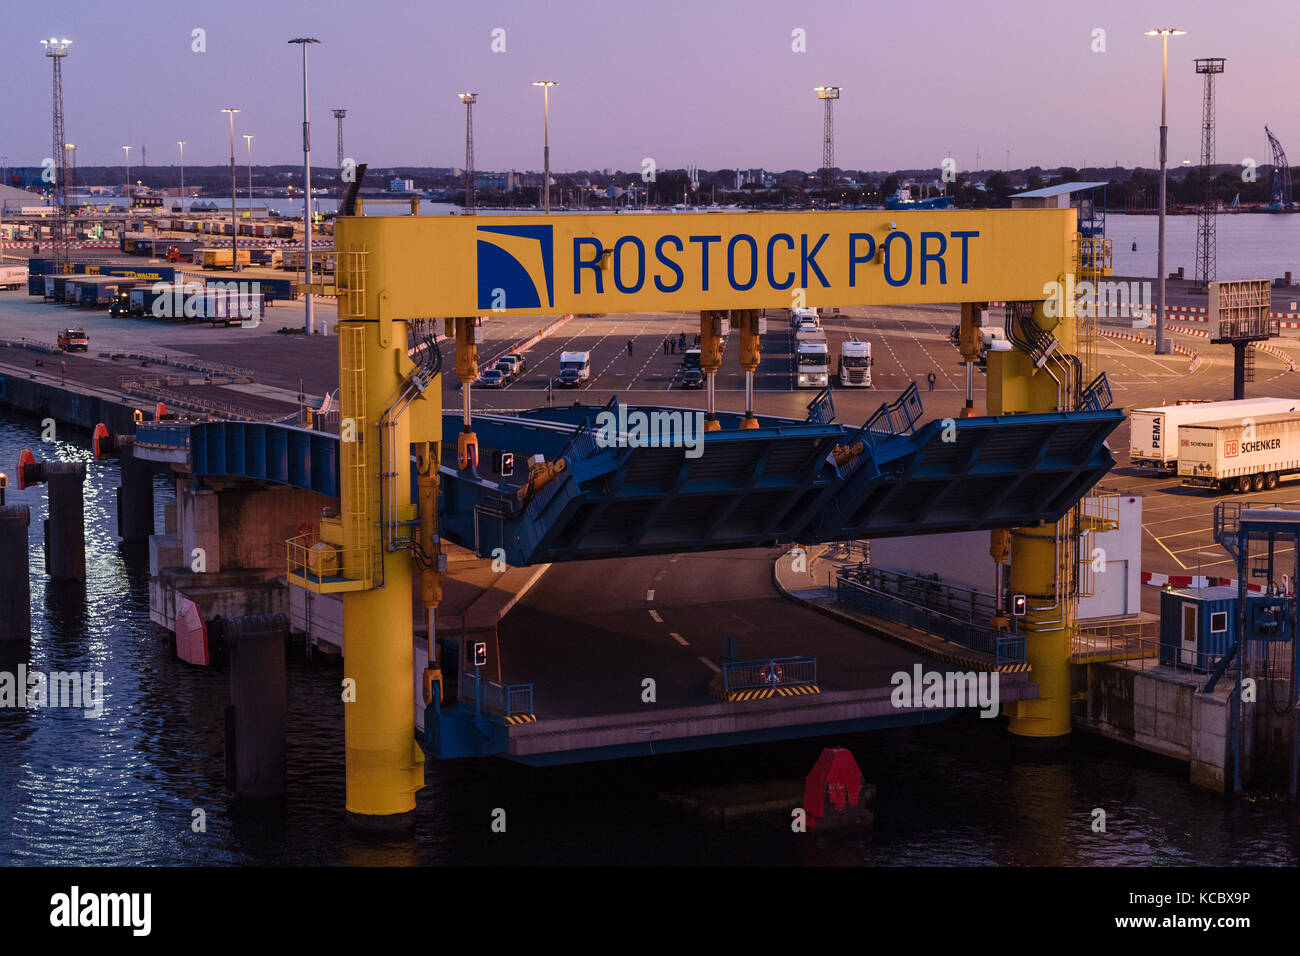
{"x": 681, "y": 342}
{"x": 665, "y": 346}
{"x": 930, "y": 378}
{"x": 629, "y": 347}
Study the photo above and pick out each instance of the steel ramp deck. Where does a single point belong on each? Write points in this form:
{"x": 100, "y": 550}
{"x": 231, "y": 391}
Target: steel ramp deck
{"x": 775, "y": 484}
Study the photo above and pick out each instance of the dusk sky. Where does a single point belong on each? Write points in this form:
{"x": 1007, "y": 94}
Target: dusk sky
{"x": 711, "y": 83}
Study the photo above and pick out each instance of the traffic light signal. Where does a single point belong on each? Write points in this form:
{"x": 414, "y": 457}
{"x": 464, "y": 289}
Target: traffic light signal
{"x": 503, "y": 463}
{"x": 480, "y": 653}
{"x": 1018, "y": 605}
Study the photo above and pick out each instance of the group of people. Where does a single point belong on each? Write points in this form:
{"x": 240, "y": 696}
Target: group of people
{"x": 673, "y": 346}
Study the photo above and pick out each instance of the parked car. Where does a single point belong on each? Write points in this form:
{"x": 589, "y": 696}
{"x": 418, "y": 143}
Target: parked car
{"x": 517, "y": 363}
{"x": 507, "y": 369}
{"x": 492, "y": 378}
{"x": 692, "y": 378}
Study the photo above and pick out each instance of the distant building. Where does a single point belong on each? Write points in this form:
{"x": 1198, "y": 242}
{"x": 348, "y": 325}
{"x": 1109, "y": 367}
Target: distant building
{"x": 401, "y": 185}
{"x": 504, "y": 182}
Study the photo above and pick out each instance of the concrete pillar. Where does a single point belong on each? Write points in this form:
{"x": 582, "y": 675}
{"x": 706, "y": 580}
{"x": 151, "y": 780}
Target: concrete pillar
{"x": 135, "y": 495}
{"x": 15, "y": 595}
{"x": 200, "y": 526}
{"x": 255, "y": 719}
{"x": 65, "y": 528}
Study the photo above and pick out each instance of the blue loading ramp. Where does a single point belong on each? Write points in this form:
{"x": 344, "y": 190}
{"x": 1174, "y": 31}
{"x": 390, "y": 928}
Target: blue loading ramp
{"x": 773, "y": 485}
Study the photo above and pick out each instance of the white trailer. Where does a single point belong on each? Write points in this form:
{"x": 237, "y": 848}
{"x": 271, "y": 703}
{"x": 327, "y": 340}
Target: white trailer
{"x": 1240, "y": 455}
{"x": 854, "y": 366}
{"x": 13, "y": 277}
{"x": 1153, "y": 435}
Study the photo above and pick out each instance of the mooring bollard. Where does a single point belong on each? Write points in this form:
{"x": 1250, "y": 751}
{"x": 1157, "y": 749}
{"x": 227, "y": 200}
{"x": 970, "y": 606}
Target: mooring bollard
{"x": 15, "y": 594}
{"x": 255, "y": 718}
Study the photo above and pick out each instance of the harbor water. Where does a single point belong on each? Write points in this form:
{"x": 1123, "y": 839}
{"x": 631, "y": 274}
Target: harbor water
{"x": 123, "y": 787}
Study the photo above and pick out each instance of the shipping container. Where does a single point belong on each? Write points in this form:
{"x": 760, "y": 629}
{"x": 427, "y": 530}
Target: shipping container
{"x": 1197, "y": 626}
{"x": 1153, "y": 432}
{"x": 99, "y": 291}
{"x": 1240, "y": 454}
{"x": 210, "y": 258}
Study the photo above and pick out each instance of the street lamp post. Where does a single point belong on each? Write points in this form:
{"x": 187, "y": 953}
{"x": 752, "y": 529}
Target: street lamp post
{"x": 1162, "y": 346}
{"x": 546, "y": 134}
{"x": 304, "y": 42}
{"x": 234, "y": 213}
{"x": 127, "y": 184}
{"x": 181, "y": 143}
{"x": 248, "y": 138}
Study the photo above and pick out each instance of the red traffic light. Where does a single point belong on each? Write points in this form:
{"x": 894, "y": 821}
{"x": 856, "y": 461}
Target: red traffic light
{"x": 480, "y": 653}
{"x": 1019, "y": 604}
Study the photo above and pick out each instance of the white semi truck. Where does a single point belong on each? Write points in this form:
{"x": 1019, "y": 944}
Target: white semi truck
{"x": 854, "y": 367}
{"x": 1240, "y": 454}
{"x": 1154, "y": 432}
{"x": 811, "y": 360}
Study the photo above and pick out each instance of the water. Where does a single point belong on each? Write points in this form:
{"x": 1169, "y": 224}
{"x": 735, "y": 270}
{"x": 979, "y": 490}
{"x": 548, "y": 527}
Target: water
{"x": 1248, "y": 245}
{"x": 121, "y": 789}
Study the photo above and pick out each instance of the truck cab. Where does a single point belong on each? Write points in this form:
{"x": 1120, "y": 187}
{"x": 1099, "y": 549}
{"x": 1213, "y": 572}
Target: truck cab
{"x": 575, "y": 368}
{"x": 854, "y": 369}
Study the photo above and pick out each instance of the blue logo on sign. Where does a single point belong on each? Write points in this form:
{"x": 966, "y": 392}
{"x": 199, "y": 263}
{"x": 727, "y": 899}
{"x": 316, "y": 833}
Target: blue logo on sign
{"x": 511, "y": 259}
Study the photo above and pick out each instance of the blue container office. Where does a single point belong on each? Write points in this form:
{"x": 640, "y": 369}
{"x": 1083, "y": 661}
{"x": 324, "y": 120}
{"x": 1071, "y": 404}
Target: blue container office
{"x": 1197, "y": 626}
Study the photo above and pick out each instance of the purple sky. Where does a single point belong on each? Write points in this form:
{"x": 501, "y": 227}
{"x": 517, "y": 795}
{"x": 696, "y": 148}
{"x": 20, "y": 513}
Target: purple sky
{"x": 713, "y": 83}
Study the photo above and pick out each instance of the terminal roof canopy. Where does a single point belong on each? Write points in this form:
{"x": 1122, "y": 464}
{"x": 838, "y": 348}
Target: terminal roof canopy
{"x": 1060, "y": 189}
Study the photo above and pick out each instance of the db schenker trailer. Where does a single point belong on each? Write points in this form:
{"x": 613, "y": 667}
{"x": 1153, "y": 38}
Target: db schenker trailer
{"x": 1240, "y": 455}
{"x": 1153, "y": 435}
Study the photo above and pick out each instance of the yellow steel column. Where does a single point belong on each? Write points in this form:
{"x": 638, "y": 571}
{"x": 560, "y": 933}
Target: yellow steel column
{"x": 711, "y": 360}
{"x": 751, "y": 347}
{"x": 1040, "y": 567}
{"x": 385, "y": 766}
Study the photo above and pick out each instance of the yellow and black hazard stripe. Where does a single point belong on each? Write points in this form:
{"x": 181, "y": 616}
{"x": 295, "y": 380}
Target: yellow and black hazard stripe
{"x": 522, "y": 719}
{"x": 762, "y": 693}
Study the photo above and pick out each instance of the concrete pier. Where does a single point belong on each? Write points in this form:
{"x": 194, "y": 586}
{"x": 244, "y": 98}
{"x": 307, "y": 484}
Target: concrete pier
{"x": 65, "y": 528}
{"x": 15, "y": 595}
{"x": 134, "y": 495}
{"x": 255, "y": 719}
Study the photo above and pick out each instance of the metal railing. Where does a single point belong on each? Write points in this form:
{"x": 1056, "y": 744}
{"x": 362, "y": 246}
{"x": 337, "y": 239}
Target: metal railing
{"x": 1003, "y": 647}
{"x": 510, "y": 700}
{"x": 1115, "y": 639}
{"x": 326, "y": 569}
{"x": 965, "y": 604}
{"x": 773, "y": 672}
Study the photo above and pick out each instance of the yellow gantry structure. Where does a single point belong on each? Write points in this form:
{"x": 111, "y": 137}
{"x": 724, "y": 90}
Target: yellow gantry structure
{"x": 726, "y": 267}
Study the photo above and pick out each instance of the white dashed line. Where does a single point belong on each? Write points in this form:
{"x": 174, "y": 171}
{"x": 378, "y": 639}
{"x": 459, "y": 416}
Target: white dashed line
{"x": 710, "y": 665}
{"x": 679, "y": 639}
{"x": 650, "y": 595}
{"x": 654, "y": 616}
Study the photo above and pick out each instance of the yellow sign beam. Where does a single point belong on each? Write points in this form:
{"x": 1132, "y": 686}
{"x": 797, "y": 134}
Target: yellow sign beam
{"x": 471, "y": 265}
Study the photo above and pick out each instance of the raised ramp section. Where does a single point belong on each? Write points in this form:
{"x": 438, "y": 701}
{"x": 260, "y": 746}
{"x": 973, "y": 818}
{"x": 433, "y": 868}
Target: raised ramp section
{"x": 776, "y": 484}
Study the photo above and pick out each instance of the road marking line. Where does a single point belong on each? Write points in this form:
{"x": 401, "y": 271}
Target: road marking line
{"x": 654, "y": 616}
{"x": 710, "y": 665}
{"x": 650, "y": 595}
{"x": 679, "y": 639}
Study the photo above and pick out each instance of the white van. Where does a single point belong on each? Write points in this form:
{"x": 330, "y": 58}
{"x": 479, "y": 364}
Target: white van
{"x": 575, "y": 368}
